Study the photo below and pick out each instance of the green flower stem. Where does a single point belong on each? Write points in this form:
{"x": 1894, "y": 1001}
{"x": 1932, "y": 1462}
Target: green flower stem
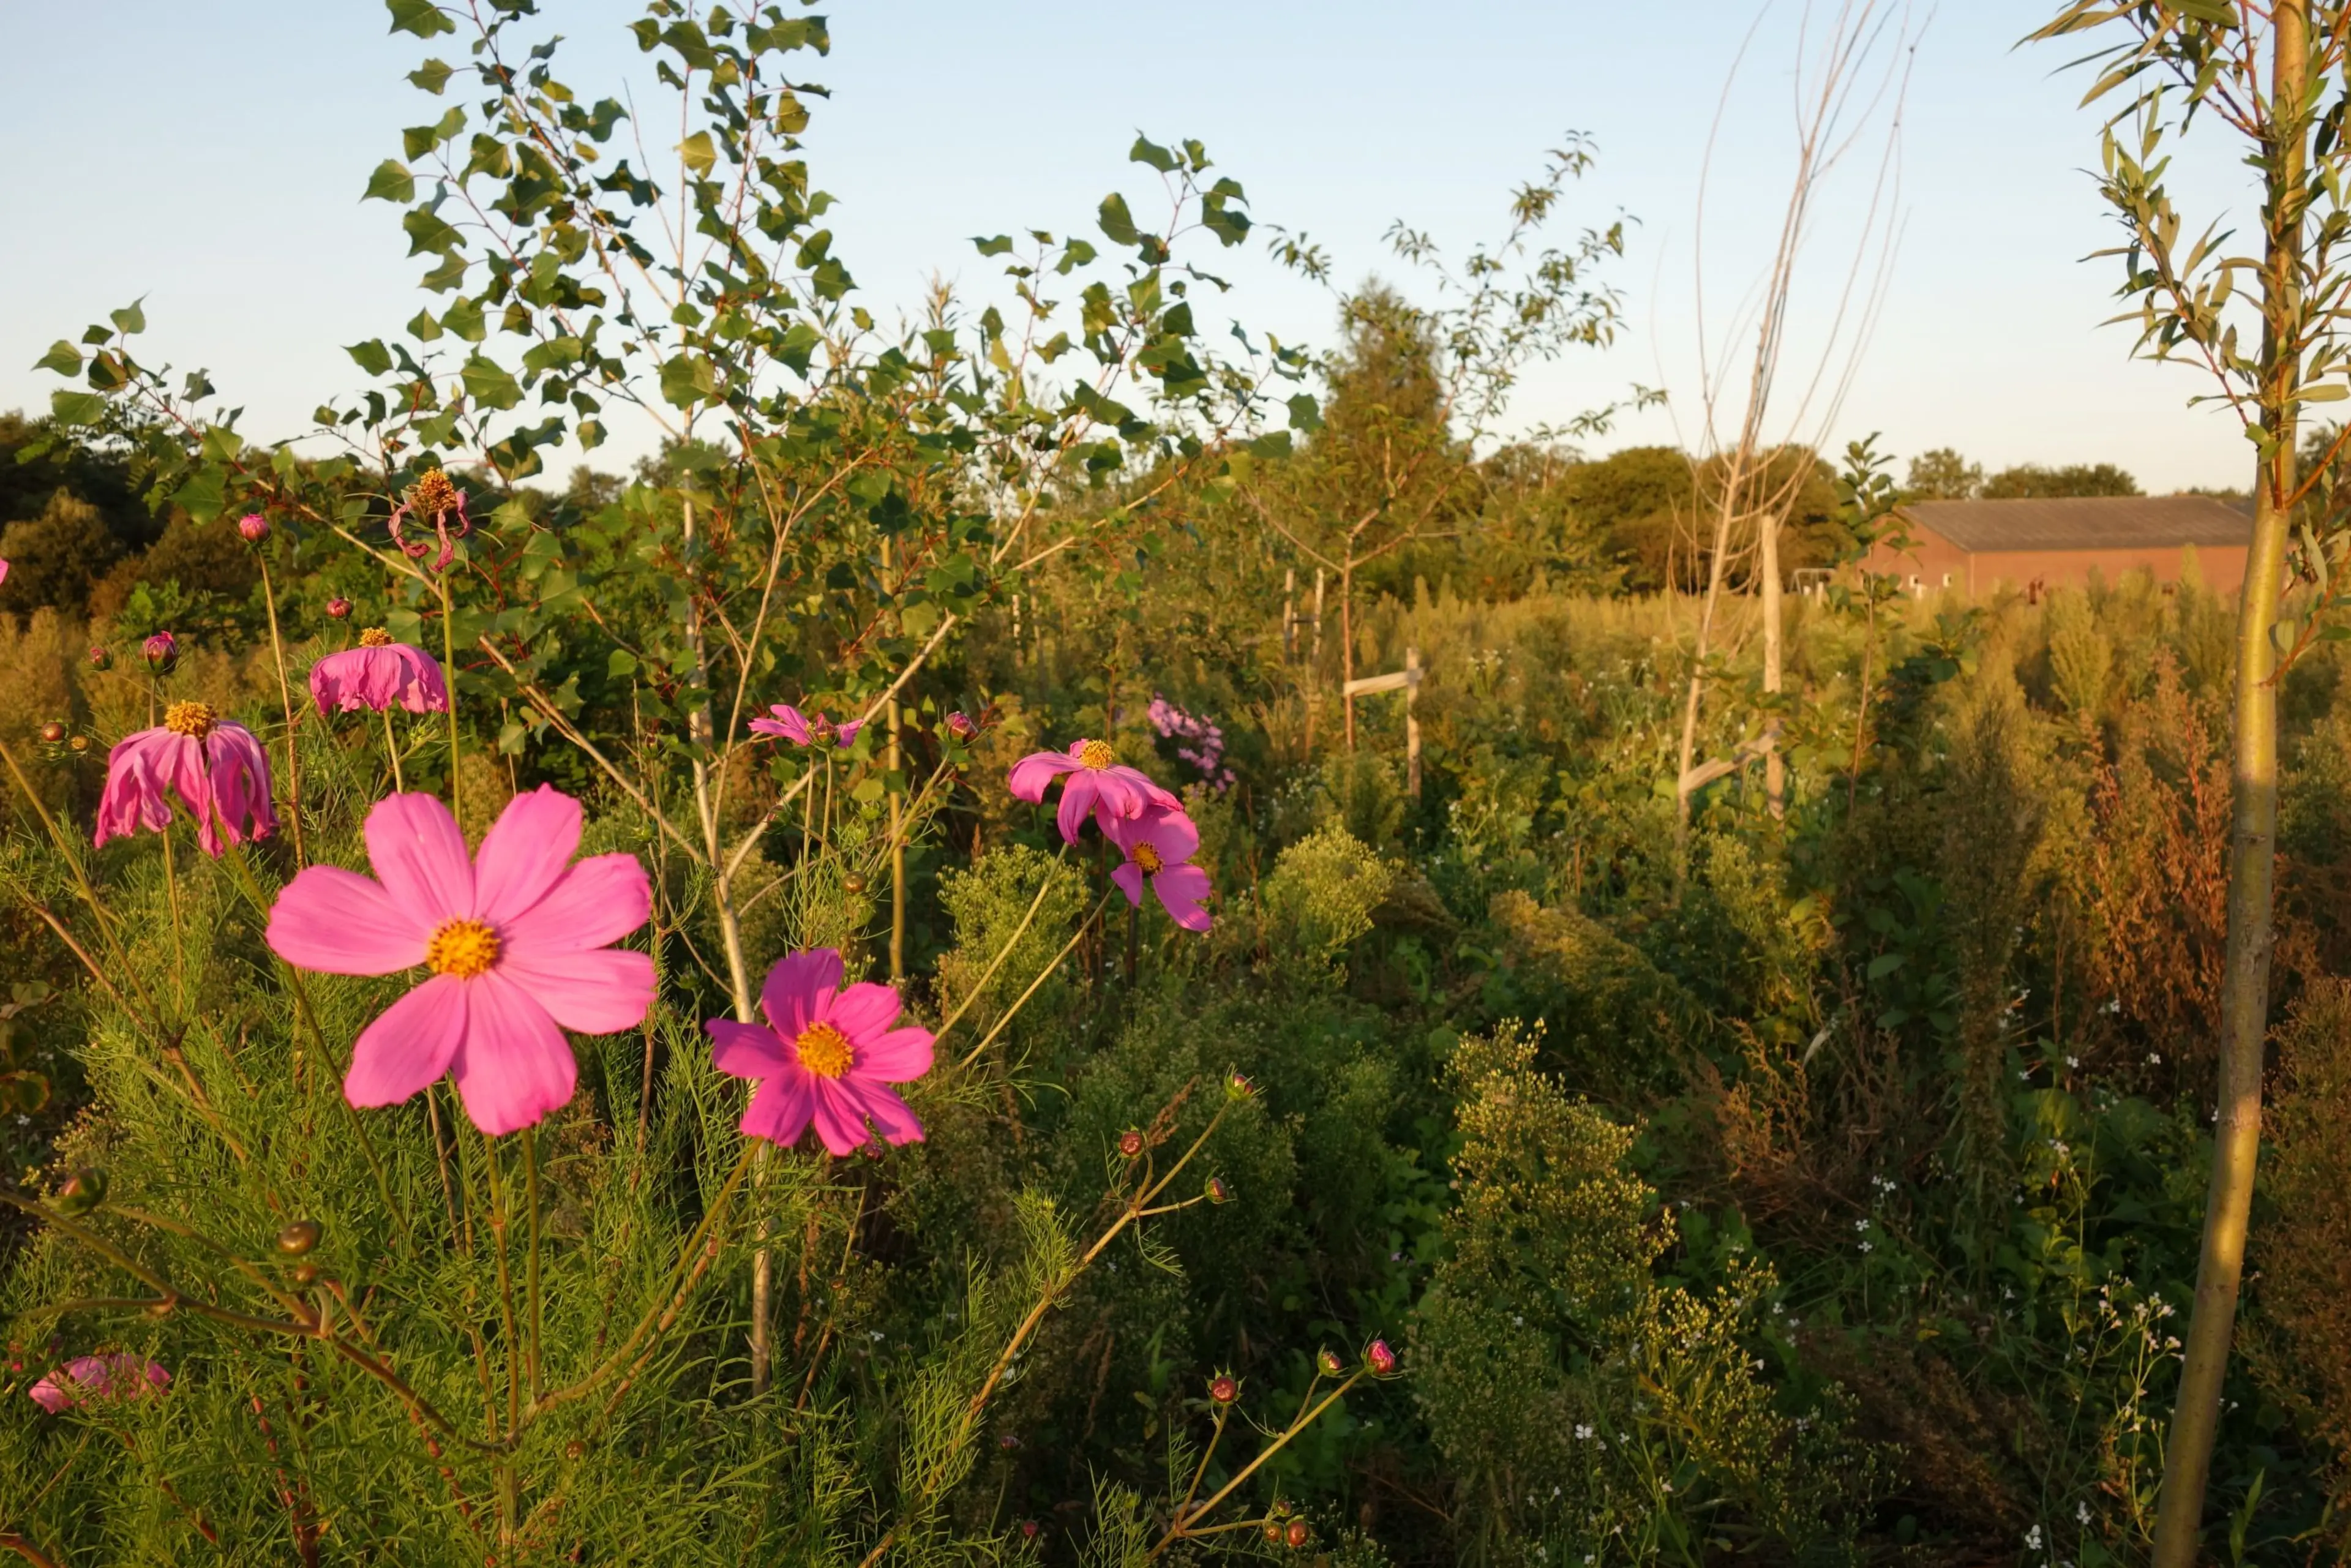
{"x": 1177, "y": 1531}
{"x": 286, "y": 700}
{"x": 391, "y": 753}
{"x": 506, "y": 1285}
{"x": 1075, "y": 937}
{"x": 449, "y": 665}
{"x": 537, "y": 1304}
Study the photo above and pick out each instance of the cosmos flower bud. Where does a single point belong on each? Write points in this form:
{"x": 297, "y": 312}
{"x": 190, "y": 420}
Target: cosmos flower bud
{"x": 338, "y": 608}
{"x": 1009, "y": 1442}
{"x": 1273, "y": 1533}
{"x": 1223, "y": 1388}
{"x": 959, "y": 725}
{"x": 1330, "y": 1363}
{"x": 1218, "y": 1192}
{"x": 254, "y": 526}
{"x": 53, "y": 732}
{"x": 1298, "y": 1534}
{"x": 84, "y": 1190}
{"x": 1380, "y": 1358}
{"x": 1130, "y": 1144}
{"x": 100, "y": 659}
{"x": 161, "y": 651}
{"x": 853, "y": 883}
{"x": 298, "y": 1237}
{"x": 1238, "y": 1087}
{"x": 1027, "y": 1529}
{"x": 80, "y": 743}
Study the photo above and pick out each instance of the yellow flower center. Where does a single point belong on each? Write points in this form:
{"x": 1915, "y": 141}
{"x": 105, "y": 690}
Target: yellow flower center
{"x": 464, "y": 948}
{"x": 192, "y": 719}
{"x": 375, "y": 637}
{"x": 821, "y": 730}
{"x": 1147, "y": 858}
{"x": 1096, "y": 754}
{"x": 432, "y": 494}
{"x": 824, "y": 1051}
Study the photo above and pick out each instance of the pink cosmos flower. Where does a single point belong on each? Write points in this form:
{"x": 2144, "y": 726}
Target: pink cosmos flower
{"x": 823, "y": 1055}
{"x": 215, "y": 766}
{"x": 378, "y": 673}
{"x": 1097, "y": 781}
{"x": 517, "y": 939}
{"x": 433, "y": 497}
{"x": 807, "y": 729}
{"x": 87, "y": 1377}
{"x": 1159, "y": 847}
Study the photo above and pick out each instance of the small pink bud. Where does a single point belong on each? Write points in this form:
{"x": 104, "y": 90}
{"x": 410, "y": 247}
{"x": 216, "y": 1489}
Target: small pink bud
{"x": 959, "y": 725}
{"x": 254, "y": 526}
{"x": 1218, "y": 1192}
{"x": 1238, "y": 1087}
{"x": 1380, "y": 1358}
{"x": 1027, "y": 1529}
{"x": 100, "y": 659}
{"x": 163, "y": 651}
{"x": 1130, "y": 1144}
{"x": 1330, "y": 1363}
{"x": 1223, "y": 1388}
{"x": 1273, "y": 1532}
{"x": 53, "y": 732}
{"x": 1299, "y": 1534}
{"x": 338, "y": 609}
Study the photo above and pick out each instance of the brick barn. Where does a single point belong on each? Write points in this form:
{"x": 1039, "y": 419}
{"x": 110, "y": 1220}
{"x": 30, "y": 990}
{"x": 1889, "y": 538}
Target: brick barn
{"x": 1974, "y": 547}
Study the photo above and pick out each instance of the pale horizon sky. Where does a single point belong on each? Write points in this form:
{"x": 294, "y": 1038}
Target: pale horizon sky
{"x": 211, "y": 158}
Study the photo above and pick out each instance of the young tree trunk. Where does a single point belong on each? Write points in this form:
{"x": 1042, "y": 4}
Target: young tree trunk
{"x": 2245, "y": 979}
{"x": 1689, "y": 755}
{"x": 1347, "y": 646}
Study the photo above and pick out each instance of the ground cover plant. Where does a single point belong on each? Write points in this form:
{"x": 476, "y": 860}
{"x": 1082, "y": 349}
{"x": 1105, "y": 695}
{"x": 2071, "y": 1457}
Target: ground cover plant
{"x": 864, "y": 992}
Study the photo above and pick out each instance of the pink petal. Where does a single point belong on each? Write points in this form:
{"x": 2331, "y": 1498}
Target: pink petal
{"x": 798, "y": 988}
{"x": 49, "y": 1396}
{"x": 900, "y": 1056}
{"x": 840, "y": 1117}
{"x": 601, "y": 991}
{"x": 769, "y": 727}
{"x": 1170, "y": 833}
{"x": 515, "y": 1065}
{"x": 410, "y": 1045}
{"x": 419, "y": 854}
{"x": 788, "y": 722}
{"x": 892, "y": 1116}
{"x": 1031, "y": 774}
{"x": 1181, "y": 890}
{"x": 524, "y": 853}
{"x": 848, "y": 732}
{"x": 745, "y": 1050}
{"x": 1129, "y": 878}
{"x": 1079, "y": 793}
{"x": 340, "y": 923}
{"x": 865, "y": 1009}
{"x": 780, "y": 1109}
{"x": 599, "y": 900}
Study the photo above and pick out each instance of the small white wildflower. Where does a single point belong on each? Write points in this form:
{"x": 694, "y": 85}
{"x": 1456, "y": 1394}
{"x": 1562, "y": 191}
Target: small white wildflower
{"x": 2032, "y": 1538}
{"x": 1582, "y": 1432}
{"x": 2082, "y": 1511}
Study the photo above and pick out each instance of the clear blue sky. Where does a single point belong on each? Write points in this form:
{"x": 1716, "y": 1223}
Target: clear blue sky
{"x": 209, "y": 158}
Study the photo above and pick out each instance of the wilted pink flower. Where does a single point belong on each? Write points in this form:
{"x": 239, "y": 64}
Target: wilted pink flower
{"x": 433, "y": 497}
{"x": 254, "y": 526}
{"x": 215, "y": 766}
{"x": 87, "y": 1377}
{"x": 1097, "y": 781}
{"x": 338, "y": 608}
{"x": 378, "y": 673}
{"x": 163, "y": 651}
{"x": 823, "y": 1055}
{"x": 517, "y": 941}
{"x": 807, "y": 729}
{"x": 1159, "y": 846}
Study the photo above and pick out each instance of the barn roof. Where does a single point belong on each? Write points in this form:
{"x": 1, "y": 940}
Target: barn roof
{"x": 2084, "y": 522}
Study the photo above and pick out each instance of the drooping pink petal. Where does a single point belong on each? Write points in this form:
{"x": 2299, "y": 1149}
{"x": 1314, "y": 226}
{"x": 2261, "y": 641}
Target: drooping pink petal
{"x": 892, "y": 1116}
{"x": 798, "y": 990}
{"x": 135, "y": 782}
{"x": 848, "y": 732}
{"x": 340, "y": 923}
{"x": 901, "y": 1056}
{"x": 408, "y": 1046}
{"x": 745, "y": 1050}
{"x": 524, "y": 854}
{"x": 1129, "y": 878}
{"x": 421, "y": 856}
{"x": 1031, "y": 774}
{"x": 1182, "y": 889}
{"x": 864, "y": 1008}
{"x": 515, "y": 1065}
{"x": 602, "y": 990}
{"x": 599, "y": 900}
{"x": 788, "y": 722}
{"x": 1079, "y": 792}
{"x": 780, "y": 1108}
{"x": 377, "y": 678}
{"x": 840, "y": 1117}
